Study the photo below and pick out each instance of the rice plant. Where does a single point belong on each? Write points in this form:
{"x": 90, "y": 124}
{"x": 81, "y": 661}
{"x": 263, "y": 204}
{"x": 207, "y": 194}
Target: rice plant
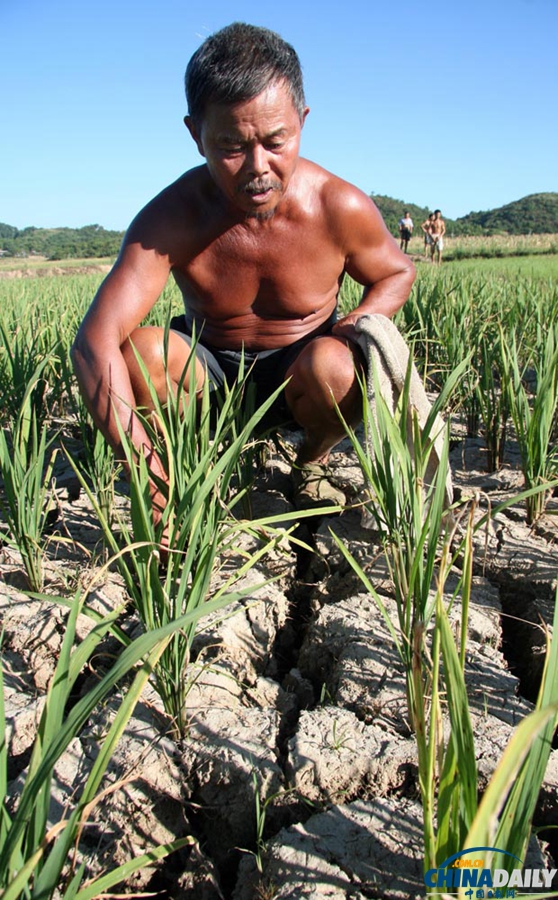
{"x": 493, "y": 399}
{"x": 408, "y": 509}
{"x": 27, "y": 497}
{"x": 173, "y": 555}
{"x": 97, "y": 463}
{"x": 35, "y": 855}
{"x": 409, "y": 516}
{"x": 534, "y": 414}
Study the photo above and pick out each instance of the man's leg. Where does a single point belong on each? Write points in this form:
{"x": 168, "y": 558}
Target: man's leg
{"x": 323, "y": 376}
{"x": 148, "y": 343}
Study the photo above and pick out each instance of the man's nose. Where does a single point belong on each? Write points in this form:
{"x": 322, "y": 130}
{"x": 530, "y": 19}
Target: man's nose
{"x": 256, "y": 160}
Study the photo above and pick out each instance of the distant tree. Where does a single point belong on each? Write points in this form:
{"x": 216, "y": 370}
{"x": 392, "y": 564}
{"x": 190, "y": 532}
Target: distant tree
{"x": 7, "y": 231}
{"x": 534, "y": 214}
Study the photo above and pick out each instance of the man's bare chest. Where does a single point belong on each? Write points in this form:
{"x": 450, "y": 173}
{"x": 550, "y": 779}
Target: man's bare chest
{"x": 271, "y": 267}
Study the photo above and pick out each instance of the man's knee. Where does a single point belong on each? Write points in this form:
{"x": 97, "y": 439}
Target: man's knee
{"x": 329, "y": 365}
{"x": 144, "y": 344}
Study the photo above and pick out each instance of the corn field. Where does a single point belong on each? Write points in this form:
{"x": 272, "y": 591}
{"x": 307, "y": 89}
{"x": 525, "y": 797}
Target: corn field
{"x": 74, "y": 532}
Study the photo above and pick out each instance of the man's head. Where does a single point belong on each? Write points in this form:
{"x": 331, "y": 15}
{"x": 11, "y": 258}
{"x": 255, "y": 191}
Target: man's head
{"x": 437, "y": 213}
{"x": 236, "y": 64}
{"x": 244, "y": 89}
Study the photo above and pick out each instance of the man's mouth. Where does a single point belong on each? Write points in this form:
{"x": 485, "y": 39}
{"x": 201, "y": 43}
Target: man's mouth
{"x": 260, "y": 190}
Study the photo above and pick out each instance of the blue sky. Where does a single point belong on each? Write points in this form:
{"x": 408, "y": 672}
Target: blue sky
{"x": 450, "y": 105}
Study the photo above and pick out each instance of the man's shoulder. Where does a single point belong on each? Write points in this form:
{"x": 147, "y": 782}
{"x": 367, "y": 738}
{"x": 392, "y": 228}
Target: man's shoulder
{"x": 336, "y": 194}
{"x": 185, "y": 193}
{"x": 171, "y": 212}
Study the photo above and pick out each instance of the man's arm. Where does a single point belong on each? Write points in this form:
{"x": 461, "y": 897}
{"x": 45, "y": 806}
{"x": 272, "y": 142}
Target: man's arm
{"x": 373, "y": 259}
{"x": 122, "y": 302}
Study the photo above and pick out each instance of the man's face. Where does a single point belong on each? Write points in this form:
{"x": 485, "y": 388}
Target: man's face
{"x": 251, "y": 148}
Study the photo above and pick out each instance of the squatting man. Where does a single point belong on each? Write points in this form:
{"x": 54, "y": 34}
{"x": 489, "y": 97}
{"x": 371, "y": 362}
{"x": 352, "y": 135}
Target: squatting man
{"x": 258, "y": 240}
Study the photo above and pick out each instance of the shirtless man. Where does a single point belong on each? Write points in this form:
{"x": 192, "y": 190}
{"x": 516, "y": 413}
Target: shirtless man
{"x": 437, "y": 232}
{"x": 426, "y": 227}
{"x": 258, "y": 240}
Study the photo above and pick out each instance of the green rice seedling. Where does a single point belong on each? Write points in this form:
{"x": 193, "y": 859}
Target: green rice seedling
{"x": 200, "y": 453}
{"x": 397, "y": 476}
{"x": 407, "y": 504}
{"x": 534, "y": 417}
{"x": 459, "y": 325}
{"x": 35, "y": 855}
{"x": 493, "y": 399}
{"x": 414, "y": 321}
{"x": 19, "y": 367}
{"x": 505, "y": 814}
{"x": 262, "y": 803}
{"x": 97, "y": 463}
{"x": 417, "y": 543}
{"x": 350, "y": 295}
{"x": 29, "y": 336}
{"x": 27, "y": 496}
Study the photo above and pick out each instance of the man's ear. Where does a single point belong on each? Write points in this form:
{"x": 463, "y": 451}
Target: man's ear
{"x": 304, "y": 114}
{"x": 194, "y": 132}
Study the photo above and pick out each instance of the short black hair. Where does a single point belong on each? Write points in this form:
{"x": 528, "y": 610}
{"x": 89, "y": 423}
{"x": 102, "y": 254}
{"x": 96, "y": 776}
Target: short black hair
{"x": 236, "y": 64}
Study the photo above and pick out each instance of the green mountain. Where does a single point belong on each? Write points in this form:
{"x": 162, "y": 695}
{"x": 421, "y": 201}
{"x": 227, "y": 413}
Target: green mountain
{"x": 535, "y": 214}
{"x": 60, "y": 243}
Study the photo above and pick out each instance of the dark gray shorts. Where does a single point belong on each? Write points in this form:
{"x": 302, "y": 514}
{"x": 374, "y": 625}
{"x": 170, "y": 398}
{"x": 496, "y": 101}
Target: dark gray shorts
{"x": 268, "y": 368}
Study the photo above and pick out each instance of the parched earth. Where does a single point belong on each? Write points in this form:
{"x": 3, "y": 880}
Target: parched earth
{"x": 298, "y": 698}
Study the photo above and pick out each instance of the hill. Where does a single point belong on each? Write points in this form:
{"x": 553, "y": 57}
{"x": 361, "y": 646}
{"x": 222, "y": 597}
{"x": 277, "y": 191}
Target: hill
{"x": 535, "y": 214}
{"x": 60, "y": 243}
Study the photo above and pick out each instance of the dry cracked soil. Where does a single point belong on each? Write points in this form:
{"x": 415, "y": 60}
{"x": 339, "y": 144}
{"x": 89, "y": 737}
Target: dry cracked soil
{"x": 297, "y": 697}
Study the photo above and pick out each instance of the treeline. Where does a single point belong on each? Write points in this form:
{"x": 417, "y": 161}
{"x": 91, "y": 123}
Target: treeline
{"x": 535, "y": 214}
{"x": 60, "y": 243}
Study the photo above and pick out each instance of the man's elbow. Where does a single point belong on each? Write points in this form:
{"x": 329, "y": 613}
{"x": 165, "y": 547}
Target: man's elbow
{"x": 80, "y": 352}
{"x": 76, "y": 352}
{"x": 409, "y": 273}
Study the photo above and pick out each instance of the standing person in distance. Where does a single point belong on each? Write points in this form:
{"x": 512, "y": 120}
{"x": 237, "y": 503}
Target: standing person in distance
{"x": 437, "y": 232}
{"x": 405, "y": 231}
{"x": 427, "y": 229}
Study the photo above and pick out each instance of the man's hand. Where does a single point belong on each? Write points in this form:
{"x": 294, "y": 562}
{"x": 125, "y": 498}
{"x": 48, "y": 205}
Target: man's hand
{"x": 345, "y": 327}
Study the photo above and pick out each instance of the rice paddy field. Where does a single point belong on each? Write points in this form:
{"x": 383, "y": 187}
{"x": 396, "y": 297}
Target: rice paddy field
{"x": 285, "y": 705}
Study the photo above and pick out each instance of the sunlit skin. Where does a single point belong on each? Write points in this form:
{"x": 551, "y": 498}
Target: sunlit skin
{"x": 437, "y": 230}
{"x": 258, "y": 240}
